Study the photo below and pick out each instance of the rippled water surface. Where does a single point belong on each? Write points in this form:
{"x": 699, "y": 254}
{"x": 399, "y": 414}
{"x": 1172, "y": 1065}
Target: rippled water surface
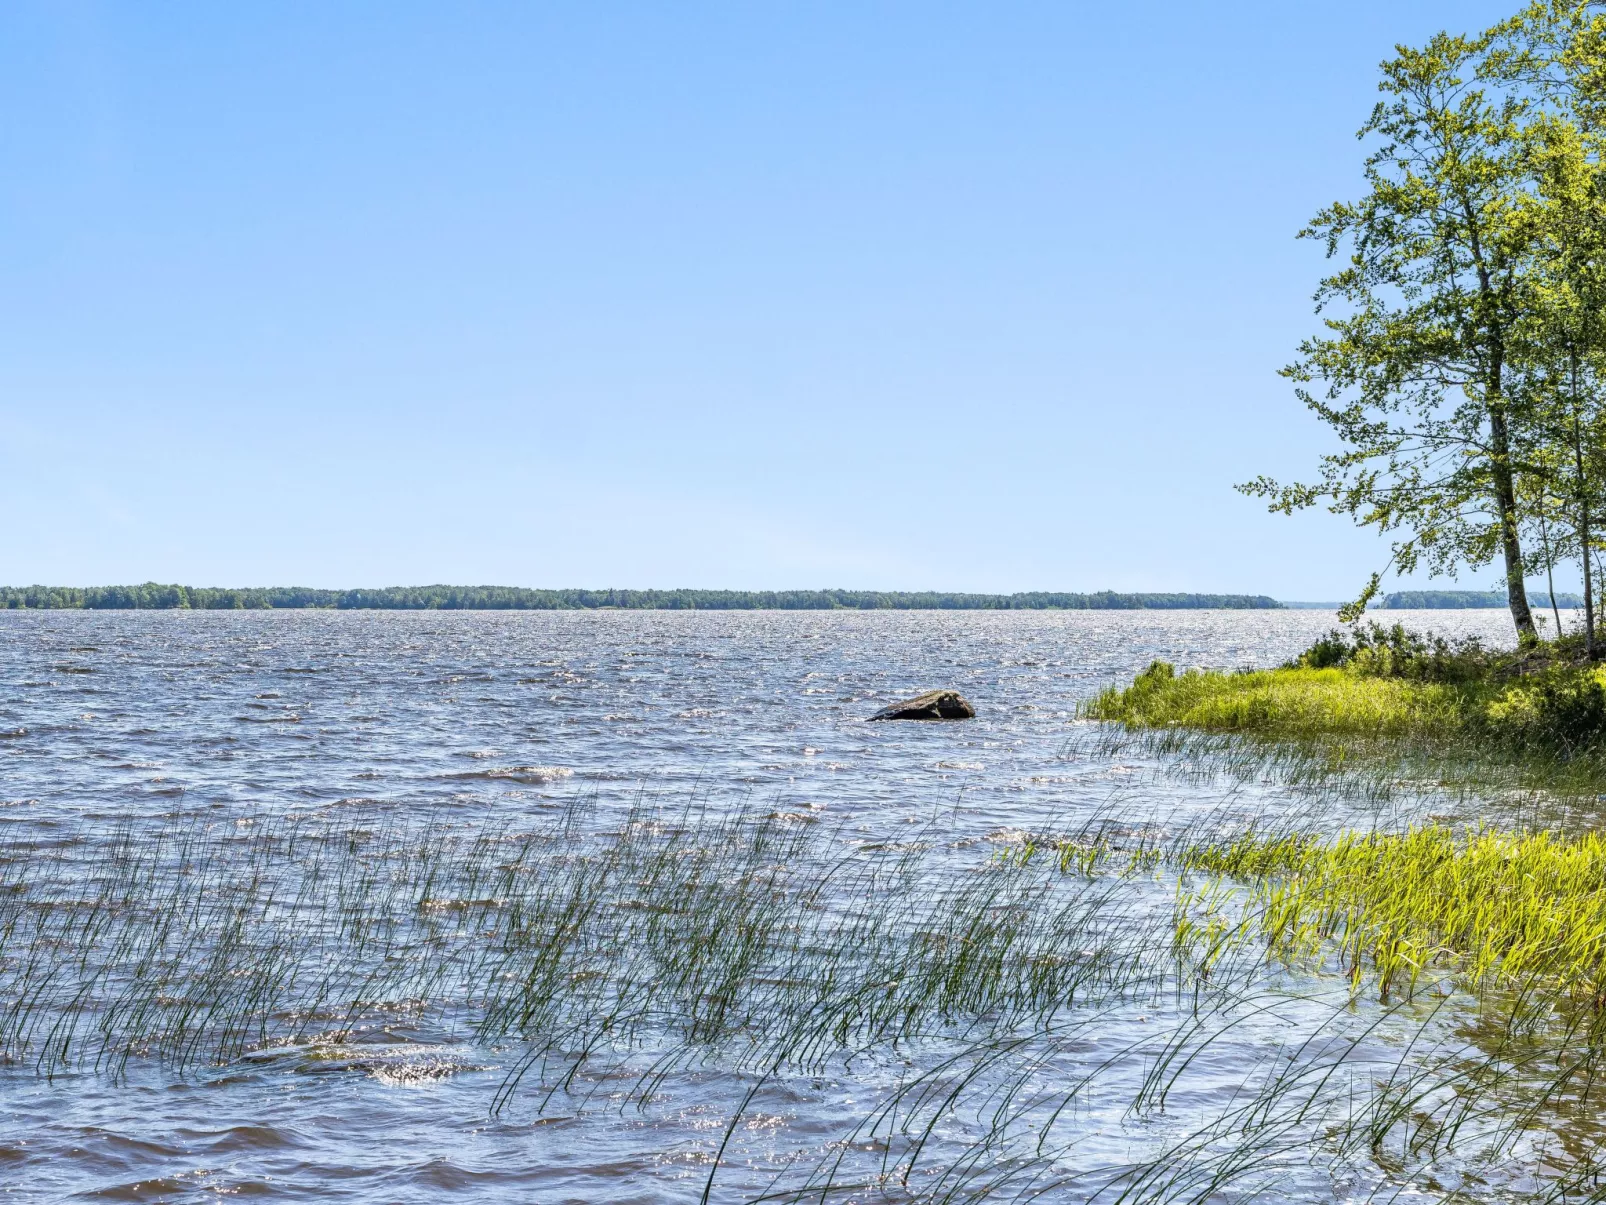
{"x": 463, "y": 720}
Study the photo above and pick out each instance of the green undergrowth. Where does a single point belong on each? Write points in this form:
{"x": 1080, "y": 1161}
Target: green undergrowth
{"x": 1503, "y": 922}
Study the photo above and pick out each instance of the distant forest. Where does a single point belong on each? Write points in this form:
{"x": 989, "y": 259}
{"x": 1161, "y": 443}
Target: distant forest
{"x": 1446, "y": 600}
{"x": 156, "y": 597}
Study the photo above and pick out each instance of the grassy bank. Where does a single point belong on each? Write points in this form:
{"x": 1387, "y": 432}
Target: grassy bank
{"x": 1283, "y": 703}
{"x": 1538, "y": 706}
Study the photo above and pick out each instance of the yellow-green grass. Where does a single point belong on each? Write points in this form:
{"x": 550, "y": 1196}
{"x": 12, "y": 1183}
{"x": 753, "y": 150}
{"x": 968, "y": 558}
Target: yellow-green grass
{"x": 1286, "y": 703}
{"x": 1500, "y": 909}
{"x": 1550, "y": 717}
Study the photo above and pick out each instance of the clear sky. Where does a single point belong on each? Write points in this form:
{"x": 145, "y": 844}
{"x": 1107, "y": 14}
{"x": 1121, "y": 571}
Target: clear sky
{"x": 909, "y": 296}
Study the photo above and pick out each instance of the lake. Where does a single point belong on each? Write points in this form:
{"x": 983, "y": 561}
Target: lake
{"x": 444, "y": 726}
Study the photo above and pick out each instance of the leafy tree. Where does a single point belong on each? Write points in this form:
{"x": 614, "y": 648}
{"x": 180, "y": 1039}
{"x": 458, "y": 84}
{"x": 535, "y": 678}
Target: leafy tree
{"x": 1557, "y": 51}
{"x": 1424, "y": 322}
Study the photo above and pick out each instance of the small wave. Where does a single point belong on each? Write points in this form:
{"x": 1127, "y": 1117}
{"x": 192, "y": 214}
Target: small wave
{"x": 1009, "y": 836}
{"x": 401, "y": 1064}
{"x": 456, "y": 905}
{"x": 142, "y": 1190}
{"x": 519, "y": 773}
{"x": 401, "y": 1075}
{"x": 247, "y": 1138}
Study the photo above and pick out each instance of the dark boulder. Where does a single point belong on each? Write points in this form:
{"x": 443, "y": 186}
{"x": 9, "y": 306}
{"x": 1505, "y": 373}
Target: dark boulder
{"x": 933, "y": 705}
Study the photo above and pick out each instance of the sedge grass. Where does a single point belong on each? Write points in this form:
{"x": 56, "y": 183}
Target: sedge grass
{"x": 1500, "y": 909}
{"x": 992, "y": 987}
{"x": 585, "y": 953}
{"x": 1502, "y": 934}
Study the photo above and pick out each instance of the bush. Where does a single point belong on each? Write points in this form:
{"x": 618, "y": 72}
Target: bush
{"x": 1330, "y": 652}
{"x": 1561, "y": 711}
{"x": 1378, "y": 652}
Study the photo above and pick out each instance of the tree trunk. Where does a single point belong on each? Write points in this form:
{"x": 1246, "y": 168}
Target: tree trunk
{"x": 1550, "y": 567}
{"x": 1505, "y": 491}
{"x": 1583, "y": 515}
{"x": 1505, "y": 497}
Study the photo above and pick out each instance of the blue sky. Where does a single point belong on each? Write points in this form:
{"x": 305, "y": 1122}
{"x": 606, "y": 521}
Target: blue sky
{"x": 973, "y": 297}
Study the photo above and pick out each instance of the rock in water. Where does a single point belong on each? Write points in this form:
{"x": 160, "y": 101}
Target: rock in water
{"x": 933, "y": 705}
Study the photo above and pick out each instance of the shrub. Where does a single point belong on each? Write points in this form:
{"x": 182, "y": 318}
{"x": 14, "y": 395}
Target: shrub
{"x": 1330, "y": 652}
{"x": 1378, "y": 652}
{"x": 1562, "y": 711}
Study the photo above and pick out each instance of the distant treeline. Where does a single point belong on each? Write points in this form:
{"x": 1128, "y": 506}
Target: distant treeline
{"x": 1445, "y": 600}
{"x": 157, "y": 597}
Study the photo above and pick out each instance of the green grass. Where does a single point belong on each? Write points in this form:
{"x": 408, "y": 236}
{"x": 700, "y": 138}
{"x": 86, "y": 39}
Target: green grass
{"x": 1542, "y": 707}
{"x": 1501, "y": 910}
{"x": 1286, "y": 703}
{"x": 585, "y": 955}
{"x": 195, "y": 944}
{"x": 1498, "y": 909}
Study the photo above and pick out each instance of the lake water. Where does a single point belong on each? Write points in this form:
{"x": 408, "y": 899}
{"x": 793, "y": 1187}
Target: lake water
{"x": 468, "y": 719}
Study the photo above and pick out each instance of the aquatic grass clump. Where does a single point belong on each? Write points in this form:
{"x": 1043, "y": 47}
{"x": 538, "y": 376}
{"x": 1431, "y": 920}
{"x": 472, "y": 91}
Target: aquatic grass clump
{"x": 1501, "y": 910}
{"x": 194, "y": 943}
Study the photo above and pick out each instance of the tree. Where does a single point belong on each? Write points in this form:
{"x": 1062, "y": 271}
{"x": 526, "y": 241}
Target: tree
{"x": 1567, "y": 322}
{"x": 1557, "y": 52}
{"x": 1424, "y": 323}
